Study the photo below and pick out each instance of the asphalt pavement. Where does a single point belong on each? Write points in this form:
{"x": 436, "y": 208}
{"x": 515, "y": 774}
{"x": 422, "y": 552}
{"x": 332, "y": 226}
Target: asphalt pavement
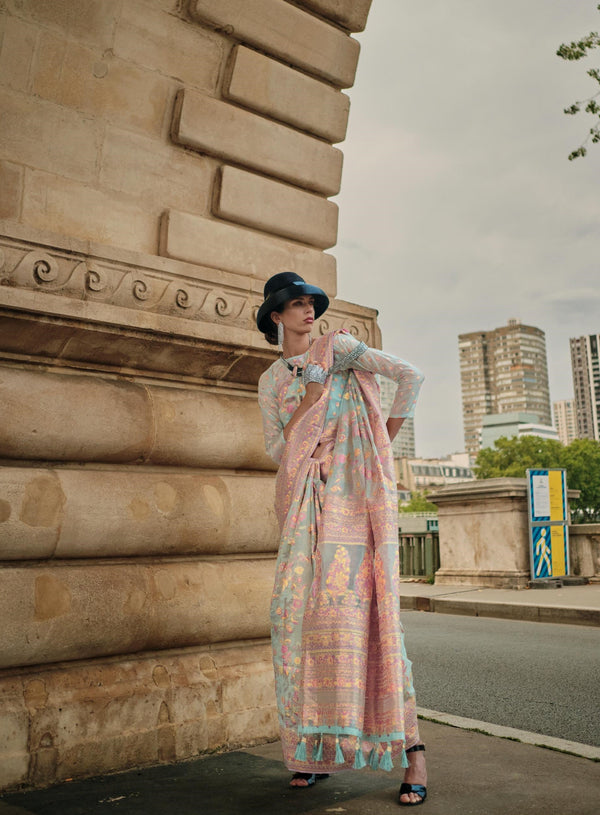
{"x": 538, "y": 677}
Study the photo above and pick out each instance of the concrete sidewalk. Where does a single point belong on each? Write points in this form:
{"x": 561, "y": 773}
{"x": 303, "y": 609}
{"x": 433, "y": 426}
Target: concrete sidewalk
{"x": 576, "y": 605}
{"x": 469, "y": 774}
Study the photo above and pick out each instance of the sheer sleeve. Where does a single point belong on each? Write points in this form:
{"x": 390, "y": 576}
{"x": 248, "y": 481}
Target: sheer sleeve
{"x": 272, "y": 424}
{"x": 350, "y": 353}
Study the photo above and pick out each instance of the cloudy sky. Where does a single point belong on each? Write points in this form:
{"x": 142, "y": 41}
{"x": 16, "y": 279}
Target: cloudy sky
{"x": 459, "y": 208}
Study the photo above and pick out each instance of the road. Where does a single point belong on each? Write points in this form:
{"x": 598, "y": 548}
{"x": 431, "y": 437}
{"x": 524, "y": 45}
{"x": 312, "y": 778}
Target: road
{"x": 540, "y": 677}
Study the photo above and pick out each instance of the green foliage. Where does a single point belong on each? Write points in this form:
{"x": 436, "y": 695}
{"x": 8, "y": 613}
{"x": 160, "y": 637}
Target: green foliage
{"x": 581, "y": 459}
{"x": 574, "y": 51}
{"x": 418, "y": 503}
{"x": 512, "y": 457}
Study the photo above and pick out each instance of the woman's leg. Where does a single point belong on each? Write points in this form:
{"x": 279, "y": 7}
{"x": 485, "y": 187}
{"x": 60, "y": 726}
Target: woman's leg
{"x": 416, "y": 773}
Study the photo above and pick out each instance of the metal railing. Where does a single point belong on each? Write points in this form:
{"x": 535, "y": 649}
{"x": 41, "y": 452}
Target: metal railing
{"x": 419, "y": 554}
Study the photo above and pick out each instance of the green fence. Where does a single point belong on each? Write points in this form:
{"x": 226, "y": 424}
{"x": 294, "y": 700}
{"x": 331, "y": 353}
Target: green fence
{"x": 419, "y": 554}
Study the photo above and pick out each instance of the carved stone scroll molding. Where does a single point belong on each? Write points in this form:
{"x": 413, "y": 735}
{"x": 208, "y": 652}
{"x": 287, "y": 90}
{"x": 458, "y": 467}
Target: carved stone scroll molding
{"x": 116, "y": 284}
{"x": 159, "y": 286}
{"x": 39, "y": 268}
{"x": 357, "y": 327}
{"x": 227, "y": 305}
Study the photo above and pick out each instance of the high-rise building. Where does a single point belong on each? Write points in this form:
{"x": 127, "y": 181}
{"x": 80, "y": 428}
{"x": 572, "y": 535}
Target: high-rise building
{"x": 585, "y": 364}
{"x": 565, "y": 420}
{"x": 502, "y": 371}
{"x": 404, "y": 443}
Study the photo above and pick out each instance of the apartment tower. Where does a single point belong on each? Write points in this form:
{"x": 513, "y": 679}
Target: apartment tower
{"x": 586, "y": 385}
{"x": 502, "y": 371}
{"x": 565, "y": 420}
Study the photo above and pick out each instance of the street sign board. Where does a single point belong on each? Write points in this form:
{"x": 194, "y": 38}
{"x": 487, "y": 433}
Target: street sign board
{"x": 548, "y": 523}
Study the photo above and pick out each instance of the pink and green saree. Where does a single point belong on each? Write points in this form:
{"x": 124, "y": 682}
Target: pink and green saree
{"x": 343, "y": 680}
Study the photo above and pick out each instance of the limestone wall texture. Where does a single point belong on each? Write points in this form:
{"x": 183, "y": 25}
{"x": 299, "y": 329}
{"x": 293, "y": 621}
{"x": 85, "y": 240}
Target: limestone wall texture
{"x": 158, "y": 161}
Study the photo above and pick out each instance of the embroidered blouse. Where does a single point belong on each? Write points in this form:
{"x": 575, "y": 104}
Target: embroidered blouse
{"x": 280, "y": 393}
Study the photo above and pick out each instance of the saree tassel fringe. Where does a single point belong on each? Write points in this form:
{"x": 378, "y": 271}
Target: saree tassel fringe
{"x": 318, "y": 750}
{"x": 300, "y": 754}
{"x": 359, "y": 759}
{"x": 373, "y": 759}
{"x": 386, "y": 763}
{"x": 405, "y": 762}
{"x": 339, "y": 756}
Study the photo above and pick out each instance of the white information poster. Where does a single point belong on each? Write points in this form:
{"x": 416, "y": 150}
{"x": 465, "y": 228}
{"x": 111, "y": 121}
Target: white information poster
{"x": 541, "y": 496}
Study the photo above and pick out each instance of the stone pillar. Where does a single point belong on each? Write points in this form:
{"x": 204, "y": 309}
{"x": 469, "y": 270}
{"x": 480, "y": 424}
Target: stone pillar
{"x": 584, "y": 549}
{"x": 484, "y": 533}
{"x": 159, "y": 160}
{"x": 484, "y": 538}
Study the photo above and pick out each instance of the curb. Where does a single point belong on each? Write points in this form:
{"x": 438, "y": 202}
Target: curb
{"x": 508, "y": 611}
{"x": 501, "y": 731}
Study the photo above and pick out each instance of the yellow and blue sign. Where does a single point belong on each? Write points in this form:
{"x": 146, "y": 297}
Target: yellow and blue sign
{"x": 548, "y": 523}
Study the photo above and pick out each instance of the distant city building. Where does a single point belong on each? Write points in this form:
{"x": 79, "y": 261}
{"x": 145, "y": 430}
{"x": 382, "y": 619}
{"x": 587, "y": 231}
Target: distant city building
{"x": 565, "y": 420}
{"x": 404, "y": 443}
{"x": 423, "y": 473}
{"x": 496, "y": 425}
{"x": 502, "y": 371}
{"x": 586, "y": 385}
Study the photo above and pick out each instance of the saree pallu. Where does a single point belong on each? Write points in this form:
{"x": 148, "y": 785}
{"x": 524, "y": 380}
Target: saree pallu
{"x": 343, "y": 680}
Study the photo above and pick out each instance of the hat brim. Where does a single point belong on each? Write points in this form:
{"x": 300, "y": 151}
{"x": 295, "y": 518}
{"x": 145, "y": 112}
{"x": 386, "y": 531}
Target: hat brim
{"x": 275, "y": 300}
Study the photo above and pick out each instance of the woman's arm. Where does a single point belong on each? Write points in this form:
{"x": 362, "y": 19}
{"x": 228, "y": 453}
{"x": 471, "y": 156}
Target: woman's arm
{"x": 393, "y": 426}
{"x": 349, "y": 353}
{"x": 272, "y": 424}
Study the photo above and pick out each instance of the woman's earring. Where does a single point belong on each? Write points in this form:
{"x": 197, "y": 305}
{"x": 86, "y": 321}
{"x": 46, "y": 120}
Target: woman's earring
{"x": 280, "y": 336}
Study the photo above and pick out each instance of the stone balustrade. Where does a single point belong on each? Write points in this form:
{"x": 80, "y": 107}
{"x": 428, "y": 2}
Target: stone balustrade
{"x": 484, "y": 534}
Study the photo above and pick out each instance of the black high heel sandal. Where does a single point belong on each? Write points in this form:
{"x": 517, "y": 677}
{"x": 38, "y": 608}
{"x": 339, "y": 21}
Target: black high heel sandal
{"x": 418, "y": 789}
{"x": 310, "y": 778}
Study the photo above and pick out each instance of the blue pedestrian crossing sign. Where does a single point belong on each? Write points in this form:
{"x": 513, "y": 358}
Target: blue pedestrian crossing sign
{"x": 548, "y": 523}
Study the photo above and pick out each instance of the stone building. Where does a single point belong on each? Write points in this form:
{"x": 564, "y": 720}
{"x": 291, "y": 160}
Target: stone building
{"x": 158, "y": 161}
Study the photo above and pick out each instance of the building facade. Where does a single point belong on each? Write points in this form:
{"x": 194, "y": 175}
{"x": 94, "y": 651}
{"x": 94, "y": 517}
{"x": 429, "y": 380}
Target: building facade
{"x": 403, "y": 445}
{"x": 159, "y": 161}
{"x": 565, "y": 420}
{"x": 423, "y": 473}
{"x": 504, "y": 370}
{"x": 511, "y": 425}
{"x": 585, "y": 365}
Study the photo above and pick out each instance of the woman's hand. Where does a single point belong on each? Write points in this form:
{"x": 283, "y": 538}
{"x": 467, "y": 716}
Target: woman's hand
{"x": 314, "y": 391}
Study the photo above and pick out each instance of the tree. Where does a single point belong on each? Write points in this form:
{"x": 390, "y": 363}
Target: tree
{"x": 581, "y": 460}
{"x": 574, "y": 51}
{"x": 418, "y": 503}
{"x": 512, "y": 457}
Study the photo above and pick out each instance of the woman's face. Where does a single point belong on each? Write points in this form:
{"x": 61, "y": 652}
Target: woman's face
{"x": 298, "y": 315}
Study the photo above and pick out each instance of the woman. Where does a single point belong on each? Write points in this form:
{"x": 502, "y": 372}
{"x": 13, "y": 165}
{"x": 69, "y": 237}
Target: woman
{"x": 343, "y": 681}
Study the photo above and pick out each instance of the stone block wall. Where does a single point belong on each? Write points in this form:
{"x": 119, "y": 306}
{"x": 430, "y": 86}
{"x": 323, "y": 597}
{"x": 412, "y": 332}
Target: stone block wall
{"x": 158, "y": 161}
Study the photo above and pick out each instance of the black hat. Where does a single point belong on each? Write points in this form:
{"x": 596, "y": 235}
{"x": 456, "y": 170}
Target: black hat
{"x": 283, "y": 287}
